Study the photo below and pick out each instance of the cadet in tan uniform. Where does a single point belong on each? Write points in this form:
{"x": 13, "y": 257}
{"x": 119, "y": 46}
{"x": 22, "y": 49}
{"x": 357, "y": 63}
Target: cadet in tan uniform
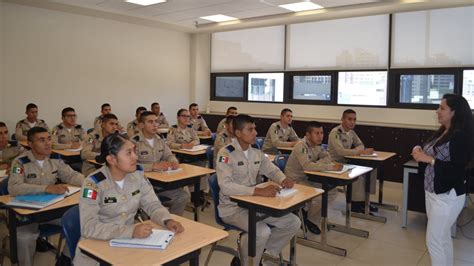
{"x": 104, "y": 109}
{"x": 280, "y": 134}
{"x": 162, "y": 122}
{"x": 224, "y": 138}
{"x": 182, "y": 135}
{"x": 68, "y": 134}
{"x": 238, "y": 166}
{"x": 111, "y": 196}
{"x": 155, "y": 155}
{"x": 37, "y": 171}
{"x": 308, "y": 155}
{"x": 8, "y": 151}
{"x": 197, "y": 121}
{"x": 132, "y": 127}
{"x": 343, "y": 141}
{"x": 230, "y": 111}
{"x": 91, "y": 147}
{"x": 30, "y": 121}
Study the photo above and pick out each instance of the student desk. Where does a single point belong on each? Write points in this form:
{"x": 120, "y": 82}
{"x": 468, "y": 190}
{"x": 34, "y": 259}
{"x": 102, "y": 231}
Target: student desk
{"x": 69, "y": 156}
{"x": 185, "y": 246}
{"x": 52, "y": 212}
{"x": 285, "y": 150}
{"x": 190, "y": 175}
{"x": 410, "y": 167}
{"x": 96, "y": 164}
{"x": 330, "y": 181}
{"x": 275, "y": 207}
{"x": 375, "y": 162}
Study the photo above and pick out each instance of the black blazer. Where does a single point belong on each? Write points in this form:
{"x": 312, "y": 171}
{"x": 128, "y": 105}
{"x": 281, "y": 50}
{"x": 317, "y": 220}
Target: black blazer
{"x": 452, "y": 174}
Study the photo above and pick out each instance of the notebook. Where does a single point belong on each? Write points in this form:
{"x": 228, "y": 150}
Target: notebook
{"x": 171, "y": 171}
{"x": 286, "y": 192}
{"x": 159, "y": 239}
{"x": 196, "y": 148}
{"x": 39, "y": 201}
{"x": 369, "y": 155}
{"x": 345, "y": 168}
{"x": 74, "y": 150}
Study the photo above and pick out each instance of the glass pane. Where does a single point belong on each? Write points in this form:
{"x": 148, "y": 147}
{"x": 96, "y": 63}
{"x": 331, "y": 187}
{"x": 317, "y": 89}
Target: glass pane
{"x": 266, "y": 87}
{"x": 427, "y": 89}
{"x": 362, "y": 88}
{"x": 468, "y": 86}
{"x": 230, "y": 87}
{"x": 312, "y": 88}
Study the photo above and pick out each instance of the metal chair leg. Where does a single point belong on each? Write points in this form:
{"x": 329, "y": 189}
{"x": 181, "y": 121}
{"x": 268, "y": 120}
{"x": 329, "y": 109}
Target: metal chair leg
{"x": 210, "y": 253}
{"x": 239, "y": 247}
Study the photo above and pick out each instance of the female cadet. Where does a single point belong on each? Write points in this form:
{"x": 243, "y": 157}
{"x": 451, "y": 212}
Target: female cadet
{"x": 182, "y": 135}
{"x": 446, "y": 157}
{"x": 111, "y": 196}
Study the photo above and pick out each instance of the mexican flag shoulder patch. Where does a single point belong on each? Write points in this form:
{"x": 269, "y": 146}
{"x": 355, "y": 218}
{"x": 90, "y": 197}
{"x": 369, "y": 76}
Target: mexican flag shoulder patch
{"x": 89, "y": 193}
{"x": 223, "y": 159}
{"x": 17, "y": 170}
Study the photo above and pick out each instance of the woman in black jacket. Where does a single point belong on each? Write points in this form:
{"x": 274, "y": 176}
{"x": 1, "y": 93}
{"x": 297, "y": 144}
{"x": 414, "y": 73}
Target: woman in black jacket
{"x": 446, "y": 156}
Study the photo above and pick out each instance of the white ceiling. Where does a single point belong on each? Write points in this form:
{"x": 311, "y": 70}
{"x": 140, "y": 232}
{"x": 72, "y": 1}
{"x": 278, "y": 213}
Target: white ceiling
{"x": 187, "y": 13}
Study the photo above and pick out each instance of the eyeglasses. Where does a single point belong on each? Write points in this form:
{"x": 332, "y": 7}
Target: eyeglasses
{"x": 71, "y": 116}
{"x": 186, "y": 116}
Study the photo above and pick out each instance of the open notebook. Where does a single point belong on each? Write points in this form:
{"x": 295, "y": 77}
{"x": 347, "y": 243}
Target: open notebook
{"x": 39, "y": 201}
{"x": 345, "y": 168}
{"x": 159, "y": 239}
{"x": 170, "y": 171}
{"x": 196, "y": 148}
{"x": 284, "y": 192}
{"x": 369, "y": 155}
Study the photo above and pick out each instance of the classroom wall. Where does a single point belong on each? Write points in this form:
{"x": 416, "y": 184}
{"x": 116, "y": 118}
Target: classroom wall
{"x": 57, "y": 59}
{"x": 409, "y": 118}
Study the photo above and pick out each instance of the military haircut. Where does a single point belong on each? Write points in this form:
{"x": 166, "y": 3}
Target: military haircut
{"x": 108, "y": 117}
{"x": 144, "y": 115}
{"x": 33, "y": 131}
{"x": 193, "y": 105}
{"x": 2, "y": 124}
{"x": 348, "y": 111}
{"x": 180, "y": 111}
{"x": 241, "y": 120}
{"x": 139, "y": 109}
{"x": 285, "y": 110}
{"x": 153, "y": 104}
{"x": 104, "y": 105}
{"x": 313, "y": 124}
{"x": 231, "y": 108}
{"x": 31, "y": 106}
{"x": 66, "y": 110}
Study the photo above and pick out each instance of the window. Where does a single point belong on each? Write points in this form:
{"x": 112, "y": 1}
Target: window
{"x": 230, "y": 87}
{"x": 265, "y": 87}
{"x": 468, "y": 86}
{"x": 362, "y": 88}
{"x": 312, "y": 87}
{"x": 425, "y": 89}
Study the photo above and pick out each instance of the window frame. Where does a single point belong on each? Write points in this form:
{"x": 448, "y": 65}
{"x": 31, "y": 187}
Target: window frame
{"x": 214, "y": 97}
{"x": 394, "y": 84}
{"x": 288, "y": 92}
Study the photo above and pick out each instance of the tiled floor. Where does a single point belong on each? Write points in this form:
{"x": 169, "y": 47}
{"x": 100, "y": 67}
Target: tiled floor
{"x": 388, "y": 244}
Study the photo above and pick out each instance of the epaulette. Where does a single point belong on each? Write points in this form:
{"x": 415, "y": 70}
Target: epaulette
{"x": 134, "y": 124}
{"x": 13, "y": 143}
{"x": 136, "y": 138}
{"x": 290, "y": 125}
{"x": 199, "y": 117}
{"x": 339, "y": 130}
{"x": 189, "y": 126}
{"x": 41, "y": 120}
{"x": 24, "y": 160}
{"x": 60, "y": 127}
{"x": 55, "y": 156}
{"x": 225, "y": 135}
{"x": 175, "y": 126}
{"x": 96, "y": 136}
{"x": 78, "y": 126}
{"x": 255, "y": 146}
{"x": 98, "y": 177}
{"x": 161, "y": 113}
{"x": 140, "y": 168}
{"x": 230, "y": 148}
{"x": 278, "y": 126}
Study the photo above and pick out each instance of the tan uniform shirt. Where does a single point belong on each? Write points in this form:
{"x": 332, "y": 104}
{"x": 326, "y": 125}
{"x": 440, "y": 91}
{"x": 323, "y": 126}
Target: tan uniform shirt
{"x": 90, "y": 149}
{"x": 199, "y": 124}
{"x": 222, "y": 139}
{"x": 178, "y": 136}
{"x": 277, "y": 136}
{"x": 132, "y": 128}
{"x": 305, "y": 157}
{"x": 10, "y": 152}
{"x": 237, "y": 174}
{"x": 162, "y": 122}
{"x": 108, "y": 211}
{"x": 221, "y": 126}
{"x": 343, "y": 143}
{"x": 62, "y": 137}
{"x": 28, "y": 177}
{"x": 22, "y": 128}
{"x": 147, "y": 155}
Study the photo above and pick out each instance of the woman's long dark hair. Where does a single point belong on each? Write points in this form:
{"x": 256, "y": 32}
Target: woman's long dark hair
{"x": 460, "y": 122}
{"x": 111, "y": 145}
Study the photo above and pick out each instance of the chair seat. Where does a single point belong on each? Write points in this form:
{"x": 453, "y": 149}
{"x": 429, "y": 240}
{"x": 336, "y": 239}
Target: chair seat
{"x": 47, "y": 230}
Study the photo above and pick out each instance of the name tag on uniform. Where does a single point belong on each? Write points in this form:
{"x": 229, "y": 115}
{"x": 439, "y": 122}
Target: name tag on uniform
{"x": 110, "y": 200}
{"x": 240, "y": 163}
{"x": 54, "y": 172}
{"x": 160, "y": 150}
{"x": 257, "y": 162}
{"x": 180, "y": 137}
{"x": 144, "y": 153}
{"x": 31, "y": 176}
{"x": 135, "y": 192}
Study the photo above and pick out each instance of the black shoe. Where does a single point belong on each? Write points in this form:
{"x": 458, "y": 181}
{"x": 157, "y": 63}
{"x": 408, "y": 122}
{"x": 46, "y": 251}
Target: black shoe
{"x": 373, "y": 208}
{"x": 235, "y": 261}
{"x": 310, "y": 226}
{"x": 63, "y": 260}
{"x": 42, "y": 245}
{"x": 358, "y": 206}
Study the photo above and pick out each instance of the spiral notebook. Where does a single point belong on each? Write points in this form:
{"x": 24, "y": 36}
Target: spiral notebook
{"x": 159, "y": 239}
